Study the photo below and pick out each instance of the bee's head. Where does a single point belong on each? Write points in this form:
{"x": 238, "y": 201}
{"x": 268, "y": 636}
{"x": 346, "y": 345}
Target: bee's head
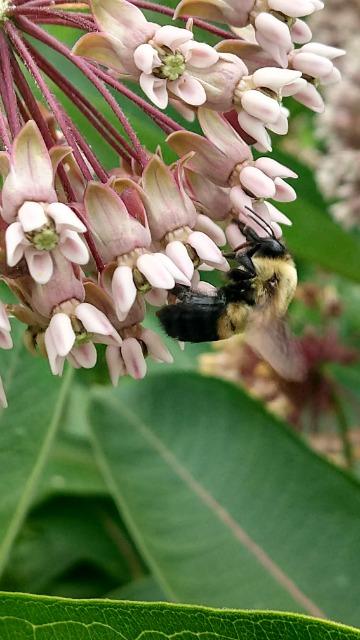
{"x": 268, "y": 246}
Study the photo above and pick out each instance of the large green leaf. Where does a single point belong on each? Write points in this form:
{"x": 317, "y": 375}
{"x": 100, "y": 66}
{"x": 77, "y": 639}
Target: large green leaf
{"x": 27, "y": 428}
{"x": 27, "y": 617}
{"x": 228, "y": 507}
{"x": 71, "y": 467}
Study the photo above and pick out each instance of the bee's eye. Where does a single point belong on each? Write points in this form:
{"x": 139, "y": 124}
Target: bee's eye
{"x": 273, "y": 281}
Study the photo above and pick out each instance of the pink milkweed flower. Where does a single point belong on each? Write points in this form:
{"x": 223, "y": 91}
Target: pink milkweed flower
{"x": 74, "y": 329}
{"x": 257, "y": 100}
{"x": 166, "y": 63}
{"x": 122, "y": 28}
{"x": 172, "y": 219}
{"x": 124, "y": 242}
{"x": 277, "y": 23}
{"x": 137, "y": 342}
{"x": 226, "y": 160}
{"x": 315, "y": 61}
{"x": 38, "y": 223}
{"x": 161, "y": 58}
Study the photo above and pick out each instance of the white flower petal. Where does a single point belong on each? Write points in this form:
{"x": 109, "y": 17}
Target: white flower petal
{"x": 32, "y": 216}
{"x": 56, "y": 362}
{"x": 255, "y": 128}
{"x": 146, "y": 58}
{"x": 62, "y": 333}
{"x": 199, "y": 54}
{"x": 178, "y": 254}
{"x": 155, "y": 89}
{"x": 63, "y": 216}
{"x": 171, "y": 267}
{"x": 15, "y": 242}
{"x": 5, "y": 340}
{"x": 123, "y": 291}
{"x": 115, "y": 364}
{"x": 155, "y": 346}
{"x": 155, "y": 272}
{"x": 205, "y": 248}
{"x": 172, "y": 37}
{"x": 188, "y": 89}
{"x": 133, "y": 357}
{"x": 73, "y": 248}
{"x": 40, "y": 264}
{"x": 4, "y": 320}
{"x": 95, "y": 321}
{"x": 85, "y": 355}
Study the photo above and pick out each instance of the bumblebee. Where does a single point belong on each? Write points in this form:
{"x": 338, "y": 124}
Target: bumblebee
{"x": 254, "y": 300}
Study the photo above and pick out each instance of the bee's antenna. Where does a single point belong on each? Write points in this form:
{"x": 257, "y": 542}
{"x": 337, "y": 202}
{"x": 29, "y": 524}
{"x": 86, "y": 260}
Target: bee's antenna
{"x": 265, "y": 226}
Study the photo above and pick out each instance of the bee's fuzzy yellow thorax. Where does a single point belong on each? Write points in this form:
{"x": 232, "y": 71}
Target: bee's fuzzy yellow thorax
{"x": 282, "y": 272}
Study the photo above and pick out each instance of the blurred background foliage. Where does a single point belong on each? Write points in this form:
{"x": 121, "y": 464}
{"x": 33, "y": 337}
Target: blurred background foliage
{"x": 177, "y": 487}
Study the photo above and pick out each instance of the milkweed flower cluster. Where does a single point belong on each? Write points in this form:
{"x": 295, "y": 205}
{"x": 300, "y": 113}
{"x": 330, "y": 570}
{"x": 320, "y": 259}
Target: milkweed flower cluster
{"x": 86, "y": 250}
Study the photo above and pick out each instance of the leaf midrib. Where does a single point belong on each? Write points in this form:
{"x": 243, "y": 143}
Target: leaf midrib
{"x": 204, "y": 496}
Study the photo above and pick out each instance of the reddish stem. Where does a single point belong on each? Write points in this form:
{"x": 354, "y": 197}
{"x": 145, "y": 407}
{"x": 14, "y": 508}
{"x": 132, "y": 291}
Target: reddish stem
{"x": 167, "y": 11}
{"x": 98, "y": 121}
{"x": 69, "y": 130}
{"x": 78, "y": 20}
{"x": 150, "y": 6}
{"x": 38, "y": 117}
{"x": 7, "y": 88}
{"x": 4, "y": 135}
{"x": 49, "y": 40}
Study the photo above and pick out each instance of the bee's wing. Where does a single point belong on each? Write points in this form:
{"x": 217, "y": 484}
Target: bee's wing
{"x": 273, "y": 341}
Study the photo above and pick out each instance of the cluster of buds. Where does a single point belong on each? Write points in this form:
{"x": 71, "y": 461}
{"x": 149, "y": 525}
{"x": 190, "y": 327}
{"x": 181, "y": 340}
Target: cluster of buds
{"x": 86, "y": 250}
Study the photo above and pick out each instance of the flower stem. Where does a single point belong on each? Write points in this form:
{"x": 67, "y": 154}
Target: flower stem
{"x": 72, "y": 135}
{"x": 35, "y": 112}
{"x": 49, "y": 40}
{"x": 78, "y": 20}
{"x": 7, "y": 87}
{"x": 4, "y": 135}
{"x": 99, "y": 122}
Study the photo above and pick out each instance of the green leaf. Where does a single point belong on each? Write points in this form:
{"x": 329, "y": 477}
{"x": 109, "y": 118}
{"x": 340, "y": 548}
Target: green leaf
{"x": 145, "y": 588}
{"x": 71, "y": 467}
{"x": 27, "y": 429}
{"x": 227, "y": 506}
{"x": 75, "y": 532}
{"x": 25, "y": 617}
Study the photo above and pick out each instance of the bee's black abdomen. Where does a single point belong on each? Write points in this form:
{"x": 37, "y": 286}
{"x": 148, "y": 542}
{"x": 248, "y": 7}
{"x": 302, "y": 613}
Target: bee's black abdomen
{"x": 195, "y": 320}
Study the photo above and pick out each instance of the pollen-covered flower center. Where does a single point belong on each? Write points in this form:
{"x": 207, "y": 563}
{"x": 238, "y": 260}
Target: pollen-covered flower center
{"x": 82, "y": 338}
{"x": 173, "y": 66}
{"x": 44, "y": 239}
